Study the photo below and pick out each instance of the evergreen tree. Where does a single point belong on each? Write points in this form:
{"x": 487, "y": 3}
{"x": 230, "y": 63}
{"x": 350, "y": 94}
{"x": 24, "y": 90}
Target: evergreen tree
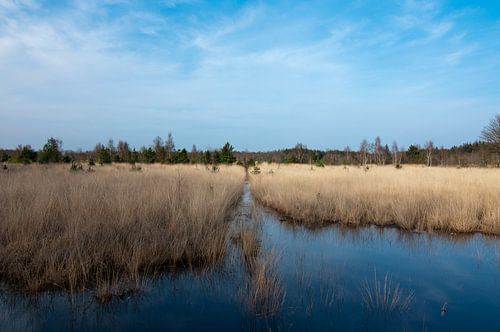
{"x": 5, "y": 157}
{"x": 194, "y": 155}
{"x": 134, "y": 157}
{"x": 102, "y": 154}
{"x": 226, "y": 154}
{"x": 51, "y": 152}
{"x": 25, "y": 154}
{"x": 216, "y": 157}
{"x": 182, "y": 157}
{"x": 147, "y": 155}
{"x": 207, "y": 157}
{"x": 413, "y": 154}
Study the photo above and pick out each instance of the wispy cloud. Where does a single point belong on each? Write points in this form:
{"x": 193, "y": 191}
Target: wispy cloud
{"x": 456, "y": 57}
{"x": 175, "y": 3}
{"x": 210, "y": 37}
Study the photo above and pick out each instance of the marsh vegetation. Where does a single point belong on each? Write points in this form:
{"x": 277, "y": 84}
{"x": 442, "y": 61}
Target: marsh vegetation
{"x": 108, "y": 228}
{"x": 191, "y": 240}
{"x": 413, "y": 198}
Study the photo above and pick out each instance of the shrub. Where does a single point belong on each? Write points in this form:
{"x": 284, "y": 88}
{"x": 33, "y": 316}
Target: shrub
{"x": 250, "y": 162}
{"x": 319, "y": 163}
{"x": 104, "y": 156}
{"x": 135, "y": 168}
{"x": 25, "y": 154}
{"x": 76, "y": 166}
{"x": 4, "y": 158}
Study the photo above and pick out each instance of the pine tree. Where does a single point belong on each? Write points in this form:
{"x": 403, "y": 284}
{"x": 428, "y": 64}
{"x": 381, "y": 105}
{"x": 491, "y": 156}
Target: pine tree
{"x": 207, "y": 157}
{"x": 51, "y": 152}
{"x": 226, "y": 154}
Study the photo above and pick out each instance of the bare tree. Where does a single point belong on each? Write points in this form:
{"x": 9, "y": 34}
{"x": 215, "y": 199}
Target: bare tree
{"x": 111, "y": 146}
{"x": 159, "y": 149}
{"x": 364, "y": 149}
{"x": 429, "y": 147}
{"x": 123, "y": 151}
{"x": 442, "y": 152}
{"x": 371, "y": 152}
{"x": 491, "y": 134}
{"x": 300, "y": 152}
{"x": 395, "y": 153}
{"x": 169, "y": 145}
{"x": 347, "y": 151}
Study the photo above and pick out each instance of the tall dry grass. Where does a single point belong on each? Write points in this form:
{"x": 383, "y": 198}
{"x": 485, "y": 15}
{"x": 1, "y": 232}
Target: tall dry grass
{"x": 110, "y": 227}
{"x": 414, "y": 198}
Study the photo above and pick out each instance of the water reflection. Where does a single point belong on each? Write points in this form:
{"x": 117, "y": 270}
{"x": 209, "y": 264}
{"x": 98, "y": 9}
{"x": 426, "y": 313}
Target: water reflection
{"x": 318, "y": 272}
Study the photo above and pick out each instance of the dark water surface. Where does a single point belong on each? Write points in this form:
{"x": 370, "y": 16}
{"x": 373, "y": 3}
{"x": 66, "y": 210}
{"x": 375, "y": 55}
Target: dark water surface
{"x": 455, "y": 281}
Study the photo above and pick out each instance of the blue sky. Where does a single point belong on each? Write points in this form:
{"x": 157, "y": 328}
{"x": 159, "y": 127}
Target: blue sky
{"x": 262, "y": 75}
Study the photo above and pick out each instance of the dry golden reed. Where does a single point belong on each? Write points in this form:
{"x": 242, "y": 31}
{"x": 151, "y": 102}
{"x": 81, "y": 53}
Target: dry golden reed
{"x": 414, "y": 198}
{"x": 74, "y": 230}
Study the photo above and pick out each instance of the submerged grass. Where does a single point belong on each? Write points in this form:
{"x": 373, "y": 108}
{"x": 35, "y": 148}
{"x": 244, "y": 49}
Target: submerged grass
{"x": 414, "y": 198}
{"x": 266, "y": 294}
{"x": 385, "y": 297}
{"x": 110, "y": 227}
{"x": 263, "y": 294}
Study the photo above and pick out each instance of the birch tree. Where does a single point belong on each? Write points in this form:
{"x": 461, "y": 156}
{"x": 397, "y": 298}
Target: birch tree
{"x": 429, "y": 148}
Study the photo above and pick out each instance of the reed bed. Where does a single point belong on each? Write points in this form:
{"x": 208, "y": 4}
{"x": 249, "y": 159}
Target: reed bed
{"x": 113, "y": 226}
{"x": 414, "y": 198}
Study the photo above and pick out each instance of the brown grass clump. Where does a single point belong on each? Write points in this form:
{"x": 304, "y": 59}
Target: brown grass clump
{"x": 74, "y": 230}
{"x": 414, "y": 198}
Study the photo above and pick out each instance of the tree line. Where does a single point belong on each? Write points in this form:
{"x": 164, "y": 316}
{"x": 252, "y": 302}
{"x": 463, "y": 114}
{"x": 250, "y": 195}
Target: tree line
{"x": 159, "y": 152}
{"x": 484, "y": 152}
{"x": 469, "y": 154}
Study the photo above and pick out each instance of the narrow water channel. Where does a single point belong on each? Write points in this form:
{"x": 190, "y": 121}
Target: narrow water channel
{"x": 328, "y": 274}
